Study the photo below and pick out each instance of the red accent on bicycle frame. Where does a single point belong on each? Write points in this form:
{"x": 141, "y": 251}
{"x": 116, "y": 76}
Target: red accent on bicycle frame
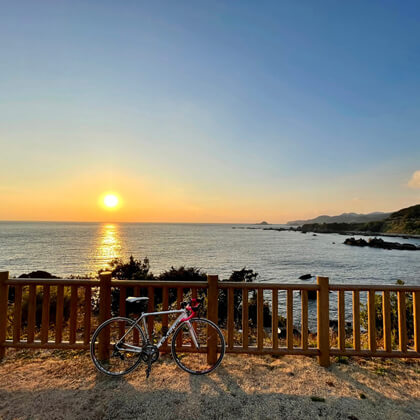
{"x": 193, "y": 311}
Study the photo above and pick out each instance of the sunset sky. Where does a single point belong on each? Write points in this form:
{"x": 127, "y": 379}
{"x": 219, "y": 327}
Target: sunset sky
{"x": 208, "y": 111}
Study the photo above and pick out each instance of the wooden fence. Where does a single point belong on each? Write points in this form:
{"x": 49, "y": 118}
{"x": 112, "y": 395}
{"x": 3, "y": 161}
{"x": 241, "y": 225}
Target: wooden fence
{"x": 26, "y": 323}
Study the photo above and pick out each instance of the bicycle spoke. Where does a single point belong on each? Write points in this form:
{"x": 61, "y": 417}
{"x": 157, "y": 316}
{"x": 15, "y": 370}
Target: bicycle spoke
{"x": 188, "y": 356}
{"x": 121, "y": 355}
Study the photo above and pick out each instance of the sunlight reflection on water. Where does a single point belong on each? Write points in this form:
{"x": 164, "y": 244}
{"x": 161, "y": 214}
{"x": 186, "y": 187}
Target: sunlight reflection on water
{"x": 83, "y": 248}
{"x": 108, "y": 245}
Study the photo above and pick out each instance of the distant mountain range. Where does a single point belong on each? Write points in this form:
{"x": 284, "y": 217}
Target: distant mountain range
{"x": 344, "y": 218}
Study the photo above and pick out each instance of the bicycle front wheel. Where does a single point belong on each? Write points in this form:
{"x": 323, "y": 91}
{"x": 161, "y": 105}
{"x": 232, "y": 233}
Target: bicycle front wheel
{"x": 121, "y": 355}
{"x": 198, "y": 361}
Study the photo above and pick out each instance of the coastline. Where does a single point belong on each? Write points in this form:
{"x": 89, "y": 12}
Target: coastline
{"x": 358, "y": 233}
{"x": 80, "y": 249}
{"x": 344, "y": 233}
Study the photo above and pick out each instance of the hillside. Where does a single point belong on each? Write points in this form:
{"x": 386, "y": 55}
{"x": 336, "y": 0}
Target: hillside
{"x": 405, "y": 221}
{"x": 344, "y": 218}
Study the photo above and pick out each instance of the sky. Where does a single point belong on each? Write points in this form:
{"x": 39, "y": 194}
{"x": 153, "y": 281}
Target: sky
{"x": 208, "y": 111}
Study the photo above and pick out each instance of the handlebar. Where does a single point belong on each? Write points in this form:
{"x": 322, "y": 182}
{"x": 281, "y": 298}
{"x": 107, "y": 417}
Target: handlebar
{"x": 194, "y": 304}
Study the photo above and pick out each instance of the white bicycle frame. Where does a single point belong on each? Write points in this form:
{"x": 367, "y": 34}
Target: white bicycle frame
{"x": 182, "y": 314}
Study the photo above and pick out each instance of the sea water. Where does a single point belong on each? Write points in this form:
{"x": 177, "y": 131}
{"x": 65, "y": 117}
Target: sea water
{"x": 64, "y": 249}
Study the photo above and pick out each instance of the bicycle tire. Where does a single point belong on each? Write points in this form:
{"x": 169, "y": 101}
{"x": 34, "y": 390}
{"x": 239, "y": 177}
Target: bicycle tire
{"x": 134, "y": 359}
{"x": 195, "y": 362}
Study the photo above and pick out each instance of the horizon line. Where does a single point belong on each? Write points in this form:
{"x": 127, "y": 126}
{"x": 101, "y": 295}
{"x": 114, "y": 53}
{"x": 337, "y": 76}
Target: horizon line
{"x": 108, "y": 221}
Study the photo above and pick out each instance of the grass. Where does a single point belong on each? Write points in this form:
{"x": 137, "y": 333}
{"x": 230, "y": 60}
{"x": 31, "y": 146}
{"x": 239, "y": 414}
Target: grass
{"x": 317, "y": 399}
{"x": 344, "y": 360}
{"x": 380, "y": 371}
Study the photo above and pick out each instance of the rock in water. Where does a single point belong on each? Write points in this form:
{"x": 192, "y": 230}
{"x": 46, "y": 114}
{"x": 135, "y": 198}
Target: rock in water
{"x": 380, "y": 243}
{"x": 306, "y": 277}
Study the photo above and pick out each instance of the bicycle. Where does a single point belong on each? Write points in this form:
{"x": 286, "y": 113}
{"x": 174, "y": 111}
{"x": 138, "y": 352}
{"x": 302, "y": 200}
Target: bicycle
{"x": 198, "y": 345}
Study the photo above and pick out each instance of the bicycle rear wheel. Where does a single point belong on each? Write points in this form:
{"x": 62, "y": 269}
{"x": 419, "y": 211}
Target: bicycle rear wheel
{"x": 117, "y": 361}
{"x": 195, "y": 360}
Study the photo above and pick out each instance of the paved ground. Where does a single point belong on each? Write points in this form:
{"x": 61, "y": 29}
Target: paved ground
{"x": 64, "y": 385}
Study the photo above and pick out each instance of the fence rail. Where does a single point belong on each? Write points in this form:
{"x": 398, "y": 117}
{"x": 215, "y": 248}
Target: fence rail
{"x": 58, "y": 314}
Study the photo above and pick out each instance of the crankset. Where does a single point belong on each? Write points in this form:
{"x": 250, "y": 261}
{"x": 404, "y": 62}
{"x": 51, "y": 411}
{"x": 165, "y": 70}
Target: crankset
{"x": 149, "y": 355}
{"x": 150, "y": 350}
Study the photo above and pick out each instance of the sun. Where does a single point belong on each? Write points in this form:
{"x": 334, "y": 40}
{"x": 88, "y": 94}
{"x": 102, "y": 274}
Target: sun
{"x": 111, "y": 201}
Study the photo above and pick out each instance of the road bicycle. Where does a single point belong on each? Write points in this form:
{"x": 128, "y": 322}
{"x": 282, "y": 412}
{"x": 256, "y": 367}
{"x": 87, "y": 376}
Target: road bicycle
{"x": 198, "y": 345}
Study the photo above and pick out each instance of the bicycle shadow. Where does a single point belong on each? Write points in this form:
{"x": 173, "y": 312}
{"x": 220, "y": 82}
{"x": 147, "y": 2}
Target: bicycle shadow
{"x": 221, "y": 381}
{"x": 71, "y": 389}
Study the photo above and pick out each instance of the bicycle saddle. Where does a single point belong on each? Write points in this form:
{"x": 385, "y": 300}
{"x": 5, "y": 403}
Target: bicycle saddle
{"x": 133, "y": 299}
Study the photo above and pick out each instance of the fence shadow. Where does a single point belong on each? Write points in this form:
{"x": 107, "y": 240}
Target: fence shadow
{"x": 221, "y": 395}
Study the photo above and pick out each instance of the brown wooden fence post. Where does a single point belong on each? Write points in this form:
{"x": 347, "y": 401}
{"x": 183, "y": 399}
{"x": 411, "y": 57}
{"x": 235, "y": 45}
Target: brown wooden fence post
{"x": 416, "y": 316}
{"x": 323, "y": 321}
{"x": 4, "y": 275}
{"x": 104, "y": 312}
{"x": 212, "y": 314}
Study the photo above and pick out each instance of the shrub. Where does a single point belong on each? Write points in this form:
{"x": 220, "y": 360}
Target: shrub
{"x": 132, "y": 270}
{"x": 140, "y": 270}
{"x": 39, "y": 297}
{"x": 182, "y": 273}
{"x": 38, "y": 305}
{"x": 32, "y": 275}
{"x": 247, "y": 276}
{"x": 394, "y": 315}
{"x": 190, "y": 274}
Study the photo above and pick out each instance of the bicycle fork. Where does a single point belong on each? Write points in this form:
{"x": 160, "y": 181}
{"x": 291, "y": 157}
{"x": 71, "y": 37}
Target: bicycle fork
{"x": 193, "y": 335}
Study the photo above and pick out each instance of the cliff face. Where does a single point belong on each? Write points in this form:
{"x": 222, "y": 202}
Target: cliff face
{"x": 405, "y": 221}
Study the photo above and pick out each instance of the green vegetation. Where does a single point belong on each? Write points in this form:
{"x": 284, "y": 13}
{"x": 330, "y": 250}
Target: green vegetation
{"x": 344, "y": 360}
{"x": 405, "y": 221}
{"x": 317, "y": 399}
{"x": 38, "y": 305}
{"x": 394, "y": 315}
{"x": 140, "y": 270}
{"x": 132, "y": 270}
{"x": 39, "y": 297}
{"x": 380, "y": 371}
{"x": 333, "y": 227}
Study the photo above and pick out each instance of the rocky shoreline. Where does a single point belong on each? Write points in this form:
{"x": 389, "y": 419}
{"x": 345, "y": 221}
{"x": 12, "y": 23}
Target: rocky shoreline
{"x": 389, "y": 235}
{"x": 344, "y": 233}
{"x": 380, "y": 243}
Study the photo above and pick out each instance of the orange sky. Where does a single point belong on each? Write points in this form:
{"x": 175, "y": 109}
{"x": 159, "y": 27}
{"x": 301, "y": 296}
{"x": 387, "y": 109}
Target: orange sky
{"x": 161, "y": 199}
{"x": 207, "y": 112}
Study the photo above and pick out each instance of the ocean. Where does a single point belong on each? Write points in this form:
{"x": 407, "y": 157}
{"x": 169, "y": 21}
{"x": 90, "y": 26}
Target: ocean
{"x": 64, "y": 249}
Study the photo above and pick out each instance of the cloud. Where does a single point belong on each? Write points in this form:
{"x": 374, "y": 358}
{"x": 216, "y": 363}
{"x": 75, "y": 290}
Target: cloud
{"x": 415, "y": 180}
